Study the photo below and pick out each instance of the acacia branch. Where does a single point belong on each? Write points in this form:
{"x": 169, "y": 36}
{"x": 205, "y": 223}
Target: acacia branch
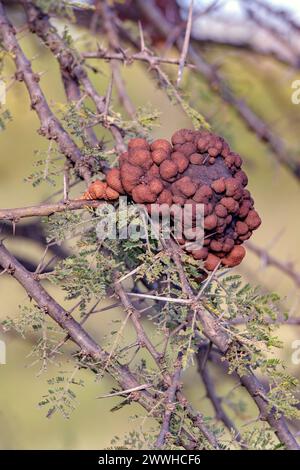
{"x": 259, "y": 394}
{"x": 50, "y": 306}
{"x": 68, "y": 60}
{"x": 215, "y": 81}
{"x": 251, "y": 382}
{"x": 186, "y": 42}
{"x": 215, "y": 331}
{"x": 75, "y": 332}
{"x": 128, "y": 59}
{"x": 50, "y": 125}
{"x": 46, "y": 209}
{"x": 171, "y": 381}
{"x": 269, "y": 260}
{"x": 143, "y": 338}
{"x": 213, "y": 397}
{"x": 161, "y": 74}
{"x": 170, "y": 404}
{"x": 278, "y": 321}
{"x": 252, "y": 10}
{"x": 114, "y": 43}
{"x": 283, "y": 15}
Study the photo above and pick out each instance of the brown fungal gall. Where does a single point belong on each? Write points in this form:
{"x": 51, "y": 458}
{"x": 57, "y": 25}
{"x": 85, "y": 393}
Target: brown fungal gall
{"x": 159, "y": 155}
{"x": 153, "y": 172}
{"x": 197, "y": 159}
{"x": 208, "y": 208}
{"x": 180, "y": 160}
{"x": 220, "y": 210}
{"x": 202, "y": 144}
{"x": 188, "y": 148}
{"x": 142, "y": 193}
{"x": 241, "y": 228}
{"x": 244, "y": 208}
{"x": 178, "y": 137}
{"x": 232, "y": 185}
{"x": 161, "y": 144}
{"x": 186, "y": 186}
{"x": 156, "y": 186}
{"x": 140, "y": 157}
{"x": 130, "y": 176}
{"x": 228, "y": 245}
{"x": 230, "y": 204}
{"x": 111, "y": 194}
{"x": 123, "y": 158}
{"x": 211, "y": 262}
{"x": 235, "y": 256}
{"x": 253, "y": 220}
{"x": 96, "y": 190}
{"x": 216, "y": 245}
{"x": 179, "y": 200}
{"x": 138, "y": 143}
{"x": 197, "y": 167}
{"x": 218, "y": 185}
{"x": 213, "y": 151}
{"x": 210, "y": 222}
{"x": 202, "y": 253}
{"x": 168, "y": 169}
{"x": 203, "y": 194}
{"x": 113, "y": 179}
{"x": 165, "y": 197}
{"x": 238, "y": 161}
{"x": 241, "y": 175}
{"x": 229, "y": 160}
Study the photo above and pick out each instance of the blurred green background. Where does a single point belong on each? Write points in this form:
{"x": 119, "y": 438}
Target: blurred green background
{"x": 267, "y": 87}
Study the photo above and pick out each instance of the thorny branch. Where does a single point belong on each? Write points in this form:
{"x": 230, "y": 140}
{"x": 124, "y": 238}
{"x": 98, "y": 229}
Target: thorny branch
{"x": 171, "y": 382}
{"x": 40, "y": 24}
{"x": 46, "y": 209}
{"x": 269, "y": 260}
{"x": 170, "y": 403}
{"x": 50, "y": 126}
{"x": 250, "y": 382}
{"x": 88, "y": 347}
{"x": 214, "y": 79}
{"x": 212, "y": 395}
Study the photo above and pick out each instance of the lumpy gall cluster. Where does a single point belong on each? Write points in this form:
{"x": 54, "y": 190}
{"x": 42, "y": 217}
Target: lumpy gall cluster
{"x": 197, "y": 167}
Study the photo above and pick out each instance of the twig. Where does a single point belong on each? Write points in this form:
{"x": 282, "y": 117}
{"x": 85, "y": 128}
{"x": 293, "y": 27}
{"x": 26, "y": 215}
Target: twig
{"x": 134, "y": 315}
{"x": 67, "y": 58}
{"x": 125, "y": 392}
{"x": 170, "y": 404}
{"x": 269, "y": 260}
{"x": 128, "y": 59}
{"x": 47, "y": 209}
{"x": 114, "y": 43}
{"x": 107, "y": 102}
{"x": 254, "y": 122}
{"x": 50, "y": 126}
{"x": 146, "y": 342}
{"x": 160, "y": 298}
{"x": 186, "y": 42}
{"x": 77, "y": 334}
{"x": 277, "y": 321}
{"x": 66, "y": 182}
{"x": 218, "y": 336}
{"x": 215, "y": 400}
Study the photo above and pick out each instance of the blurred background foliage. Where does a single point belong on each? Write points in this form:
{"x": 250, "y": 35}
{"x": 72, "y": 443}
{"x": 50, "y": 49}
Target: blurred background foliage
{"x": 263, "y": 83}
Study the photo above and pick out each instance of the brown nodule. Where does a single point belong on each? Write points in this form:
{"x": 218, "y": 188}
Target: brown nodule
{"x": 197, "y": 167}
